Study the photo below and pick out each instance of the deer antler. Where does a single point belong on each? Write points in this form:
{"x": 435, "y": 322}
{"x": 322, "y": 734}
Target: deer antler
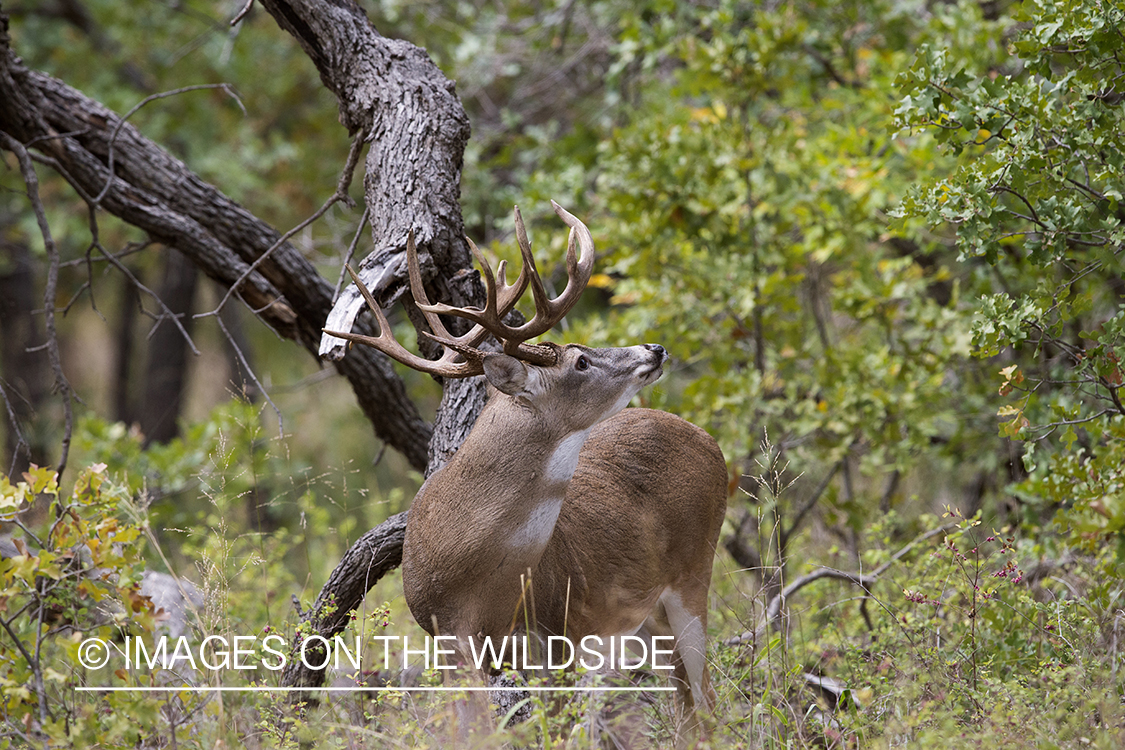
{"x": 447, "y": 366}
{"x": 548, "y": 312}
{"x": 500, "y": 298}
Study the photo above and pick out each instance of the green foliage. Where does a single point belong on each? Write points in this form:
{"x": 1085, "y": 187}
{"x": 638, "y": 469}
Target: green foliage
{"x": 864, "y": 230}
{"x": 1037, "y": 196}
{"x": 741, "y": 208}
{"x": 954, "y": 643}
{"x": 46, "y": 600}
{"x": 80, "y": 563}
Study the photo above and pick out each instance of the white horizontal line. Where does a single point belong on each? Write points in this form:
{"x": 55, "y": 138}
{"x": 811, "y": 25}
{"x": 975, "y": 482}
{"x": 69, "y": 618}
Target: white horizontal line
{"x": 357, "y": 689}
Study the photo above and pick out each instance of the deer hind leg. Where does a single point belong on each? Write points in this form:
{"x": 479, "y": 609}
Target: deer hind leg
{"x": 687, "y": 621}
{"x": 616, "y": 721}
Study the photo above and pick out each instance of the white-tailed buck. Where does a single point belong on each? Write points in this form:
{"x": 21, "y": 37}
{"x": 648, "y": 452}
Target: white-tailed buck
{"x": 560, "y": 511}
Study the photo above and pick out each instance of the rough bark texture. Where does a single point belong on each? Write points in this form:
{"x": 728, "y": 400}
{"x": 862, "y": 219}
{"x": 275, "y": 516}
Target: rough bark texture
{"x": 391, "y": 93}
{"x": 152, "y": 190}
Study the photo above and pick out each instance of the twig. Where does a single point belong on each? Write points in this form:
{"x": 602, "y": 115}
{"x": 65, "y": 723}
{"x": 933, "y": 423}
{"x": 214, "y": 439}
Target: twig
{"x": 114, "y": 260}
{"x": 809, "y": 504}
{"x": 250, "y": 372}
{"x": 31, "y": 180}
{"x": 44, "y": 709}
{"x": 351, "y": 251}
{"x": 131, "y": 248}
{"x": 889, "y": 491}
{"x": 167, "y": 311}
{"x": 13, "y": 420}
{"x": 341, "y": 194}
{"x": 242, "y": 13}
{"x": 162, "y": 95}
{"x": 33, "y": 664}
{"x": 863, "y": 580}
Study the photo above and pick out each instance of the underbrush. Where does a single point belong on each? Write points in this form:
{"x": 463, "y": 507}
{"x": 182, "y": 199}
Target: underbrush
{"x": 962, "y": 634}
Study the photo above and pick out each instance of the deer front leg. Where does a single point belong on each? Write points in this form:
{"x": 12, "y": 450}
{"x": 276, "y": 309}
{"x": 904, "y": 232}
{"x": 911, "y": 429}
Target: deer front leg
{"x": 471, "y": 713}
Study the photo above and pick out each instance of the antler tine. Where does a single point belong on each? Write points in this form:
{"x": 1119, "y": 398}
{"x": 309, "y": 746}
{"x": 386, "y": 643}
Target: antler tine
{"x": 501, "y": 297}
{"x": 502, "y": 301}
{"x": 418, "y": 290}
{"x": 490, "y": 315}
{"x": 577, "y": 271}
{"x": 548, "y": 312}
{"x": 386, "y": 343}
{"x": 506, "y": 295}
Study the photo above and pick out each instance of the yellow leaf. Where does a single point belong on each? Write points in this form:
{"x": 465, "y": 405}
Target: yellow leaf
{"x": 704, "y": 114}
{"x": 53, "y": 675}
{"x": 601, "y": 281}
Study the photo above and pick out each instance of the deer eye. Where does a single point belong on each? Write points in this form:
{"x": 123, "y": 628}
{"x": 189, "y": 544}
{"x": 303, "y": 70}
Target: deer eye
{"x": 582, "y": 364}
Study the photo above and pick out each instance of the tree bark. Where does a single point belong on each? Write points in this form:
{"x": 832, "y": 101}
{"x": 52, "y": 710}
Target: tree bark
{"x": 391, "y": 91}
{"x": 392, "y": 95}
{"x": 375, "y": 554}
{"x": 157, "y": 193}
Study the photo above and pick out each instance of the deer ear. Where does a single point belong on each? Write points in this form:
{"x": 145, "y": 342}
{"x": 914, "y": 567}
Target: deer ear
{"x": 508, "y": 375}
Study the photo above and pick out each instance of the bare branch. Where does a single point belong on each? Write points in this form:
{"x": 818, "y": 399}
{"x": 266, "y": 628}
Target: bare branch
{"x": 21, "y": 442}
{"x": 351, "y": 252}
{"x": 371, "y": 557}
{"x": 167, "y": 312}
{"x": 808, "y": 505}
{"x": 62, "y": 385}
{"x": 162, "y": 95}
{"x": 863, "y": 580}
{"x": 341, "y": 194}
{"x": 158, "y": 194}
{"x": 242, "y": 13}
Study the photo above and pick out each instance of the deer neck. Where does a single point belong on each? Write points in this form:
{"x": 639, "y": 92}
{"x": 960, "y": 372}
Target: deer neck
{"x": 513, "y": 471}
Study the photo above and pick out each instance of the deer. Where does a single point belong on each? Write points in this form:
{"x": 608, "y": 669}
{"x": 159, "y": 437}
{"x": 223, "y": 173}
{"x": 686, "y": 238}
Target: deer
{"x": 563, "y": 512}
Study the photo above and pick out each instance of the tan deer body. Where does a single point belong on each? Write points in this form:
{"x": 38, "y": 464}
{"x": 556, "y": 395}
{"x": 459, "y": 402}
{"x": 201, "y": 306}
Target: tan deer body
{"x": 561, "y": 513}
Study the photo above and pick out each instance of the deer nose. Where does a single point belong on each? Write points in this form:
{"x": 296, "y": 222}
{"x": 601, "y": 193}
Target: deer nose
{"x": 656, "y": 349}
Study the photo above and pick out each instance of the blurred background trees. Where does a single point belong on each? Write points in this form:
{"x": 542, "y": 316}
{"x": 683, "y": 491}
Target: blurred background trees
{"x": 882, "y": 241}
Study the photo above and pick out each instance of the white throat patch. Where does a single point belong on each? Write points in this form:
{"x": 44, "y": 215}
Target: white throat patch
{"x": 538, "y": 527}
{"x": 564, "y": 460}
{"x": 560, "y": 466}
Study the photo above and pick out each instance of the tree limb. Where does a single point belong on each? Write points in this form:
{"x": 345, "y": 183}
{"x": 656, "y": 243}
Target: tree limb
{"x": 374, "y": 554}
{"x": 62, "y": 385}
{"x": 863, "y": 580}
{"x": 158, "y": 194}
